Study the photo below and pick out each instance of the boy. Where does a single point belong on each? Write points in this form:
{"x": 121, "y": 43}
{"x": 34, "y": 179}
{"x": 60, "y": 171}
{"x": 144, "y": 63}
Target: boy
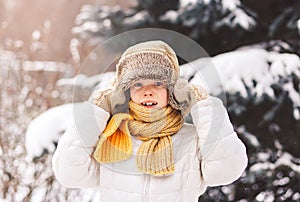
{"x": 140, "y": 149}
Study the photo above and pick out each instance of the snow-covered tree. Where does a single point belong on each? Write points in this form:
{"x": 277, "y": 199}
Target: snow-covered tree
{"x": 217, "y": 25}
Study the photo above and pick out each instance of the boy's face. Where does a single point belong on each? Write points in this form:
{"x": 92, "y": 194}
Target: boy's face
{"x": 149, "y": 93}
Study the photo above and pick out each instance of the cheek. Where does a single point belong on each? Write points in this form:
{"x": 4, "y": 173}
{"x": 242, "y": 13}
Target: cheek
{"x": 164, "y": 96}
{"x": 134, "y": 96}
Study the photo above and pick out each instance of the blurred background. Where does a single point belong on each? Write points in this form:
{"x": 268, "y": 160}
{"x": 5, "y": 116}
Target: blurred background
{"x": 254, "y": 45}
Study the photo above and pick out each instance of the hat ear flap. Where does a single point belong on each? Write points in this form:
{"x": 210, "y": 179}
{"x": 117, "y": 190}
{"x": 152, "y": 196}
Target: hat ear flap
{"x": 119, "y": 101}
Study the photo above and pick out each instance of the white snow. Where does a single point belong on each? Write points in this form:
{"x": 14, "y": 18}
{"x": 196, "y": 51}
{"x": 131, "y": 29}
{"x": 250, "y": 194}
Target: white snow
{"x": 38, "y": 194}
{"x": 284, "y": 64}
{"x": 81, "y": 80}
{"x": 231, "y": 4}
{"x": 238, "y": 18}
{"x": 170, "y": 15}
{"x": 36, "y": 35}
{"x": 8, "y": 62}
{"x": 255, "y": 68}
{"x": 281, "y": 181}
{"x": 140, "y": 16}
{"x": 296, "y": 196}
{"x": 184, "y": 3}
{"x": 46, "y": 66}
{"x": 263, "y": 156}
{"x": 73, "y": 47}
{"x": 234, "y": 68}
{"x": 91, "y": 195}
{"x": 265, "y": 196}
{"x": 285, "y": 159}
{"x": 46, "y": 129}
{"x": 92, "y": 26}
{"x": 296, "y": 114}
{"x": 250, "y": 137}
{"x": 242, "y": 19}
{"x": 226, "y": 4}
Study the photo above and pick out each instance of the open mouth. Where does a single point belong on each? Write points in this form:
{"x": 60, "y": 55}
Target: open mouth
{"x": 149, "y": 104}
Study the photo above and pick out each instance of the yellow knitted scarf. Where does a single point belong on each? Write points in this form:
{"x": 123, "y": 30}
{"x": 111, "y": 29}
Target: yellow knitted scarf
{"x": 153, "y": 126}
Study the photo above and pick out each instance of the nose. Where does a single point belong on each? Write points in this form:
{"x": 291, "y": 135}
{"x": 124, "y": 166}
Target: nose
{"x": 148, "y": 90}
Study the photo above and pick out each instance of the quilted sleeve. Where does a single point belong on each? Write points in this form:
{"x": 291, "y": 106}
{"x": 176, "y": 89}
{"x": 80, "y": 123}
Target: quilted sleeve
{"x": 222, "y": 154}
{"x": 72, "y": 162}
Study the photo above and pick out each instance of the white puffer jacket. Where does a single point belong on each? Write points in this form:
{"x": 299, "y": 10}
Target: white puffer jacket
{"x": 208, "y": 153}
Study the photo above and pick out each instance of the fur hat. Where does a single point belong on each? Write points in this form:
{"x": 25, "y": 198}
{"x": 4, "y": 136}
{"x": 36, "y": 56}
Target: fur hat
{"x": 154, "y": 60}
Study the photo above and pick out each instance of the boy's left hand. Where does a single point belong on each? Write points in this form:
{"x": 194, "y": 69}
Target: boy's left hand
{"x": 187, "y": 94}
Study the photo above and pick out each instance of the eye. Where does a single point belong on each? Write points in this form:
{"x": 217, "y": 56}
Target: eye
{"x": 159, "y": 84}
{"x": 137, "y": 85}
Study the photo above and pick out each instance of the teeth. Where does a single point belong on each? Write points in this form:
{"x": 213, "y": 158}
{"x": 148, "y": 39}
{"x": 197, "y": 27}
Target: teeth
{"x": 148, "y": 103}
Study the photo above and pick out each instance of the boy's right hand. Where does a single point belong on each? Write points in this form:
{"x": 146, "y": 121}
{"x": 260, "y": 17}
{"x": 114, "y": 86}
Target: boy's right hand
{"x": 102, "y": 99}
{"x": 110, "y": 100}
